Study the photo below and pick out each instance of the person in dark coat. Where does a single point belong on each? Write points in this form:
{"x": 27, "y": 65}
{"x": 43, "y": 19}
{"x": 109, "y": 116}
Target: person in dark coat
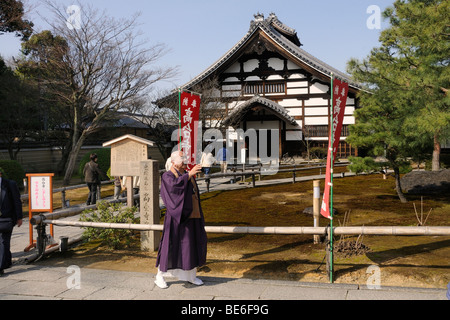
{"x": 10, "y": 215}
{"x": 183, "y": 243}
{"x": 92, "y": 175}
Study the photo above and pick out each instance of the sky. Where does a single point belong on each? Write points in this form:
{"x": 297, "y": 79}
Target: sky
{"x": 199, "y": 32}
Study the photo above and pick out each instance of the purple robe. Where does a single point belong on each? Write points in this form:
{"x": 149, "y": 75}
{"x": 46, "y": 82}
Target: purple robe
{"x": 183, "y": 241}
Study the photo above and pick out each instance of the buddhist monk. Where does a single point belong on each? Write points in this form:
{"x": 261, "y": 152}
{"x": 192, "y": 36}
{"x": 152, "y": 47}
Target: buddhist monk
{"x": 183, "y": 243}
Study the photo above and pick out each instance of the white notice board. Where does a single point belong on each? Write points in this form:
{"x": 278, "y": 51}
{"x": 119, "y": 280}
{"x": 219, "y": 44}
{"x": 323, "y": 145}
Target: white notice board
{"x": 41, "y": 193}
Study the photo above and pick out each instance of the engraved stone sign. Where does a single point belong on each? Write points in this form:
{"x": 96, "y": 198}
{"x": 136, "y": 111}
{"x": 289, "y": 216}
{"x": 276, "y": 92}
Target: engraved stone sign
{"x": 149, "y": 208}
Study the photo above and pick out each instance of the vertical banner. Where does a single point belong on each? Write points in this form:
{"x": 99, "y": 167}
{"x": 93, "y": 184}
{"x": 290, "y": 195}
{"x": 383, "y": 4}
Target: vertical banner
{"x": 339, "y": 101}
{"x": 189, "y": 119}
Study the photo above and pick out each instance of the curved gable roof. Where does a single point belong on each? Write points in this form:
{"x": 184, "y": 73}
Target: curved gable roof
{"x": 239, "y": 112}
{"x": 278, "y": 32}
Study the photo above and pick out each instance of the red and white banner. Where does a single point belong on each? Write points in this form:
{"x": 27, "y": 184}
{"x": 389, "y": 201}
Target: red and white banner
{"x": 340, "y": 92}
{"x": 189, "y": 117}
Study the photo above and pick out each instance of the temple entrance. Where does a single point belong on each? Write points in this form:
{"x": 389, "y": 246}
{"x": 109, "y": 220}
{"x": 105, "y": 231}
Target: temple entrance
{"x": 263, "y": 123}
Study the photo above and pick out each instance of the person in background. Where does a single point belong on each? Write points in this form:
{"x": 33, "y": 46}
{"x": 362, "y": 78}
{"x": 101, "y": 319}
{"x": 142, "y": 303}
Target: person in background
{"x": 92, "y": 175}
{"x": 206, "y": 162}
{"x": 10, "y": 216}
{"x": 117, "y": 187}
{"x": 222, "y": 158}
{"x": 135, "y": 185}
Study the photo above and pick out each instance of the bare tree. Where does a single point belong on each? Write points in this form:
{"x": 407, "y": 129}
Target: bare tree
{"x": 307, "y": 134}
{"x": 161, "y": 120}
{"x": 104, "y": 67}
{"x": 213, "y": 110}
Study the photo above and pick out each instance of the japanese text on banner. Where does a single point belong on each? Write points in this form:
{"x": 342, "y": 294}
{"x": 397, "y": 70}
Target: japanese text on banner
{"x": 189, "y": 116}
{"x": 340, "y": 93}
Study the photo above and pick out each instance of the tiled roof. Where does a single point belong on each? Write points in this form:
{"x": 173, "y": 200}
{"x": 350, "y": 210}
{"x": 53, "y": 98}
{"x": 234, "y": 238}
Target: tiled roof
{"x": 239, "y": 112}
{"x": 267, "y": 26}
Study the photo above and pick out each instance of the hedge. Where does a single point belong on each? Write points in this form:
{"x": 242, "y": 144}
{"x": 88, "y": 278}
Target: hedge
{"x": 104, "y": 160}
{"x": 13, "y": 170}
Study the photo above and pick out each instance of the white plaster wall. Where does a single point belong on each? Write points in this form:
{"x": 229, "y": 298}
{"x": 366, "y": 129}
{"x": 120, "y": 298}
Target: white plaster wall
{"x": 291, "y": 65}
{"x": 297, "y": 84}
{"x": 290, "y": 103}
{"x": 250, "y": 65}
{"x": 294, "y": 136}
{"x": 234, "y": 87}
{"x": 318, "y": 111}
{"x": 319, "y": 88}
{"x": 316, "y": 121}
{"x": 235, "y": 67}
{"x": 294, "y": 111}
{"x": 316, "y": 102}
{"x": 297, "y": 91}
{"x": 297, "y": 76}
{"x": 276, "y": 63}
{"x": 275, "y": 77}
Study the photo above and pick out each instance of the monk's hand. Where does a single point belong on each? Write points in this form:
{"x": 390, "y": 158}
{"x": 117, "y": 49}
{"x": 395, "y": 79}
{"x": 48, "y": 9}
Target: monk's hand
{"x": 196, "y": 169}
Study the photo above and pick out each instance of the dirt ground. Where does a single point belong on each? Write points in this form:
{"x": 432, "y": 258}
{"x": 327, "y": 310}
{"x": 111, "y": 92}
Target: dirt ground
{"x": 289, "y": 258}
{"x": 402, "y": 261}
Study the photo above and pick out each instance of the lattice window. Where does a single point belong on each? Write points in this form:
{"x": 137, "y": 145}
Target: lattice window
{"x": 263, "y": 88}
{"x": 322, "y": 131}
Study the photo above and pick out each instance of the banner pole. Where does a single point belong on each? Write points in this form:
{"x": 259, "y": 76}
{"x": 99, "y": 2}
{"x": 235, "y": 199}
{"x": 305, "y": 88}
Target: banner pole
{"x": 331, "y": 180}
{"x": 179, "y": 119}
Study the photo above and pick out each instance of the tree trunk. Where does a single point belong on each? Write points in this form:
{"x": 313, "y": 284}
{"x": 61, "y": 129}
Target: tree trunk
{"x": 73, "y": 159}
{"x": 435, "y": 166}
{"x": 65, "y": 152}
{"x": 398, "y": 186}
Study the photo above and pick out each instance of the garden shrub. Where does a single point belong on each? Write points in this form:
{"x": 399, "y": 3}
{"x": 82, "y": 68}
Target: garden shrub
{"x": 319, "y": 153}
{"x": 366, "y": 165}
{"x": 12, "y": 170}
{"x": 109, "y": 213}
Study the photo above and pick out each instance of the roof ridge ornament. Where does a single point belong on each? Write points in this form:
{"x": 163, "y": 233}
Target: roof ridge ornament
{"x": 259, "y": 17}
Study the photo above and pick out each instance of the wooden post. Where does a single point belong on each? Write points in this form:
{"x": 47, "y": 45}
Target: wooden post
{"x": 149, "y": 208}
{"x": 129, "y": 187}
{"x": 329, "y": 253}
{"x": 316, "y": 207}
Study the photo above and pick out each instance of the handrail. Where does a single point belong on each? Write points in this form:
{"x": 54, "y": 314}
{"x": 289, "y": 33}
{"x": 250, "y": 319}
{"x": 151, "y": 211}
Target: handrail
{"x": 356, "y": 230}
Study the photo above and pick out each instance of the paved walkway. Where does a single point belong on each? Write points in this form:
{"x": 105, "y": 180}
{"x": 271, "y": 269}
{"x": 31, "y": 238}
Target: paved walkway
{"x": 32, "y": 281}
{"x": 57, "y": 283}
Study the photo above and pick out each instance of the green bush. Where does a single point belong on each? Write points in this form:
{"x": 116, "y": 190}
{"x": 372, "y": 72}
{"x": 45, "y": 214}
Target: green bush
{"x": 13, "y": 170}
{"x": 319, "y": 153}
{"x": 109, "y": 213}
{"x": 104, "y": 160}
{"x": 367, "y": 165}
{"x": 405, "y": 167}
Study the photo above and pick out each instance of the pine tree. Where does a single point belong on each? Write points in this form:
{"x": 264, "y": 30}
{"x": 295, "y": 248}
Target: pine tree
{"x": 420, "y": 36}
{"x": 406, "y": 104}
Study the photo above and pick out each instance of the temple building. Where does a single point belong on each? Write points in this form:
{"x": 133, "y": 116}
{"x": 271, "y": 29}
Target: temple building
{"x": 267, "y": 81}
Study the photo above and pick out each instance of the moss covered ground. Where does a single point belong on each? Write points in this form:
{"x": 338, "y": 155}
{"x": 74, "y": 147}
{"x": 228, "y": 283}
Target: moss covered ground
{"x": 369, "y": 200}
